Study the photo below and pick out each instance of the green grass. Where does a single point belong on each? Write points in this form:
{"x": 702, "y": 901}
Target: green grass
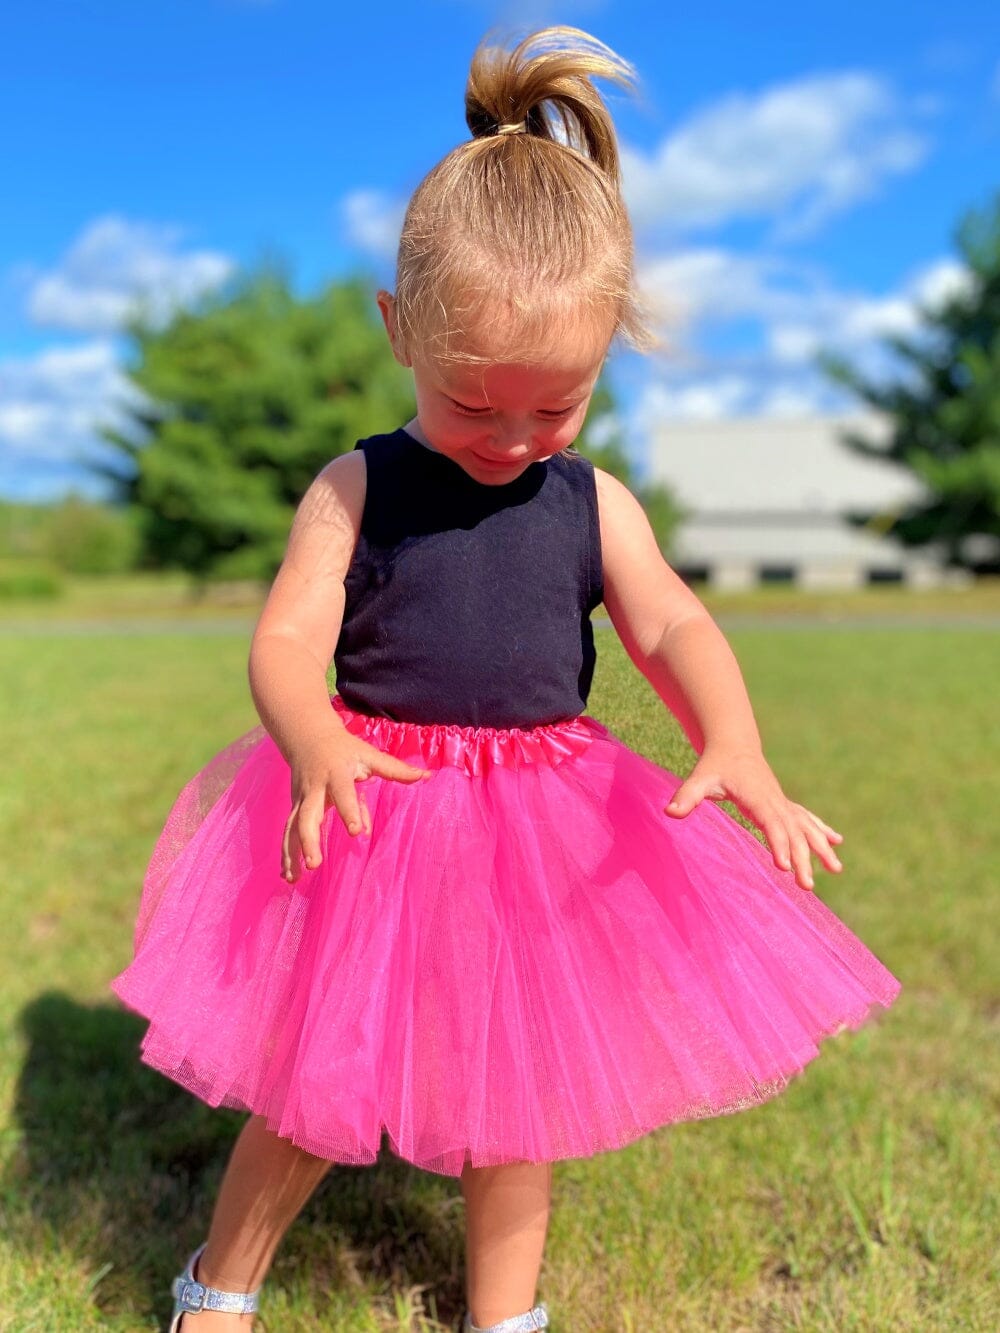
{"x": 864, "y": 1198}
{"x": 980, "y": 598}
{"x": 149, "y": 596}
{"x": 163, "y": 596}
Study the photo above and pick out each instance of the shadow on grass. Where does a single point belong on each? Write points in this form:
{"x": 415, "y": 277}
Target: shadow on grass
{"x": 118, "y": 1166}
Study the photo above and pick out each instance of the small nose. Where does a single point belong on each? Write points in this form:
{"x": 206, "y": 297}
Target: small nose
{"x": 512, "y": 442}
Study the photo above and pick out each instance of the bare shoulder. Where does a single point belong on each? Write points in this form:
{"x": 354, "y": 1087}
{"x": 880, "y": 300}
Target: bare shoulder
{"x": 642, "y": 593}
{"x": 328, "y": 519}
{"x": 307, "y": 597}
{"x": 622, "y": 517}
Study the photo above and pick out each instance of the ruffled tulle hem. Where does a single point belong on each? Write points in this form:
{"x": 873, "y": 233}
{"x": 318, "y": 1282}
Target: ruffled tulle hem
{"x": 526, "y": 961}
{"x": 348, "y": 1144}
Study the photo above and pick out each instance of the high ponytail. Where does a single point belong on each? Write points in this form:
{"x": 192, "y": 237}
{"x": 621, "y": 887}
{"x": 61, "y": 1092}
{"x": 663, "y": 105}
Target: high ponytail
{"x": 523, "y": 230}
{"x": 545, "y": 85}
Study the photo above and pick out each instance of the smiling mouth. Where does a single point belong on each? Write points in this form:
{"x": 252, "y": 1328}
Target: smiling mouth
{"x": 503, "y": 465}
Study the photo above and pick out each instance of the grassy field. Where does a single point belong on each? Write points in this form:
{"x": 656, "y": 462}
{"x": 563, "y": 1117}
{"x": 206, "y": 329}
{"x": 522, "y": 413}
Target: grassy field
{"x": 864, "y": 1198}
{"x": 158, "y": 596}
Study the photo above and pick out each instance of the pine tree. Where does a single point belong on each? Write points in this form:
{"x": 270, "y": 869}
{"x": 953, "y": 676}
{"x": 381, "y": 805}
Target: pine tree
{"x": 246, "y": 397}
{"x": 945, "y": 413}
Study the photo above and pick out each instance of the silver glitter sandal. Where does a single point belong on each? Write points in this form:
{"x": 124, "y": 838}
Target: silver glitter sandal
{"x": 517, "y": 1323}
{"x": 191, "y": 1296}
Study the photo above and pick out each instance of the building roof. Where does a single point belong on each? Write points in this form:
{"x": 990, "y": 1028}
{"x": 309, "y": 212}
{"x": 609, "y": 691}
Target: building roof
{"x": 777, "y": 465}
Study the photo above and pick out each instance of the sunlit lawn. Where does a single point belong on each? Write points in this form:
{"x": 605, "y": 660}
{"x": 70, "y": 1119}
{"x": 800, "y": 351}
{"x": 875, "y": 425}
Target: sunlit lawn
{"x": 163, "y": 596}
{"x": 864, "y": 1198}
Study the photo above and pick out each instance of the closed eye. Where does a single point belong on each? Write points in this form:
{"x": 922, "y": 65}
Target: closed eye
{"x": 469, "y": 411}
{"x": 547, "y": 414}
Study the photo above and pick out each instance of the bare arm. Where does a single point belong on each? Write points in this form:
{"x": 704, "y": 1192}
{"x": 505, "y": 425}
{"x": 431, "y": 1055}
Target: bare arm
{"x": 666, "y": 630}
{"x": 296, "y": 634}
{"x": 292, "y": 647}
{"x": 677, "y": 646}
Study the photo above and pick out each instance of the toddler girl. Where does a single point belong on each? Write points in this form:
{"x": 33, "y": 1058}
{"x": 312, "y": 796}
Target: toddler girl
{"x": 445, "y": 904}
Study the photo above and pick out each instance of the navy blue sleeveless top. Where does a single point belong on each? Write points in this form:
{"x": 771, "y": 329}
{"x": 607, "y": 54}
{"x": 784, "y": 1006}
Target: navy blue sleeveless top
{"x": 467, "y": 603}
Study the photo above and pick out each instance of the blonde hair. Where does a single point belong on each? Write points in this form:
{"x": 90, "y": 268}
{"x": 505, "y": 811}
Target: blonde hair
{"x": 522, "y": 231}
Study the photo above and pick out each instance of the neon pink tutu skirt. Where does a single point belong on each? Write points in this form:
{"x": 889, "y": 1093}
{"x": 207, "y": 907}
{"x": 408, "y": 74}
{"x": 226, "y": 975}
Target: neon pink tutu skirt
{"x": 527, "y": 960}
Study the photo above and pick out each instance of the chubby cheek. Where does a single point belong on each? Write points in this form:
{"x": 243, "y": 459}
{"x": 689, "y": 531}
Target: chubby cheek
{"x": 448, "y": 425}
{"x": 565, "y": 432}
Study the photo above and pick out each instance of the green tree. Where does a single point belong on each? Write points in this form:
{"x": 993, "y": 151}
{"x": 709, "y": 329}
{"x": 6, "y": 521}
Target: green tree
{"x": 245, "y": 397}
{"x": 608, "y": 452}
{"x": 946, "y": 411}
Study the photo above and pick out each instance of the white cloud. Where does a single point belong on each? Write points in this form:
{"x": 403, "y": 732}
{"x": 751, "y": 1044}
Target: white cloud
{"x": 793, "y": 400}
{"x": 789, "y": 312}
{"x": 727, "y": 394}
{"x": 373, "y": 221}
{"x": 801, "y": 151}
{"x": 116, "y": 264}
{"x": 75, "y": 376}
{"x": 713, "y": 285}
{"x": 939, "y": 281}
{"x": 699, "y": 399}
{"x": 21, "y": 423}
{"x": 841, "y": 321}
{"x": 853, "y": 322}
{"x": 50, "y": 406}
{"x": 692, "y": 291}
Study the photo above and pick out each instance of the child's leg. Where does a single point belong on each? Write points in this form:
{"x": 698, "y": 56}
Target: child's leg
{"x": 507, "y": 1214}
{"x": 266, "y": 1184}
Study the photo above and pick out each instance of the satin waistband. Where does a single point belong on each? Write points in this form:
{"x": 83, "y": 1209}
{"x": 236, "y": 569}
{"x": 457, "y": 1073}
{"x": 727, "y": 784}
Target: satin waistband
{"x": 473, "y": 749}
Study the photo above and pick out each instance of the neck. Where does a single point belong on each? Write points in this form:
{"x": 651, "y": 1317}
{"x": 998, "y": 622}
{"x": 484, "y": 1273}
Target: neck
{"x": 414, "y": 429}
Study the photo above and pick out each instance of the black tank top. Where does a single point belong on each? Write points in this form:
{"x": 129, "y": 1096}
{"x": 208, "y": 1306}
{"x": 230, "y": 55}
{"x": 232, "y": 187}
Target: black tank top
{"x": 466, "y": 603}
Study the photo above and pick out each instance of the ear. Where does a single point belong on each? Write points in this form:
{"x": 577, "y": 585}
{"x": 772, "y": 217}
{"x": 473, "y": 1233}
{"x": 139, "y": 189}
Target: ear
{"x": 387, "y": 307}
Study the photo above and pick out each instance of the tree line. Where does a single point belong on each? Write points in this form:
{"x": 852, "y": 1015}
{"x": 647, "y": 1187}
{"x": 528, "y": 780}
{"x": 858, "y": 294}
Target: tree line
{"x": 246, "y": 395}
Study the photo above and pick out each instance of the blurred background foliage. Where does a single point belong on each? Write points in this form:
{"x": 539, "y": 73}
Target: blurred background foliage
{"x": 945, "y": 409}
{"x": 247, "y": 397}
{"x": 241, "y": 399}
{"x": 240, "y": 402}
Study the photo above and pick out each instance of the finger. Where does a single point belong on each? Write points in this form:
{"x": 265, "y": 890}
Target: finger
{"x": 778, "y": 841}
{"x": 309, "y": 823}
{"x": 821, "y": 847}
{"x": 801, "y": 859}
{"x": 366, "y": 819}
{"x": 688, "y": 795}
{"x": 290, "y": 846}
{"x": 388, "y": 766}
{"x": 831, "y": 833}
{"x": 344, "y": 795}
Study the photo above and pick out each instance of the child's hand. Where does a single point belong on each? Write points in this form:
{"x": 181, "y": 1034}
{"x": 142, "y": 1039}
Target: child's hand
{"x": 324, "y": 774}
{"x": 793, "y": 833}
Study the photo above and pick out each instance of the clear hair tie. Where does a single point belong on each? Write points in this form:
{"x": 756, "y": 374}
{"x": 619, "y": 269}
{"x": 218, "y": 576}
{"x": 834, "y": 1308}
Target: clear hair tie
{"x": 513, "y": 127}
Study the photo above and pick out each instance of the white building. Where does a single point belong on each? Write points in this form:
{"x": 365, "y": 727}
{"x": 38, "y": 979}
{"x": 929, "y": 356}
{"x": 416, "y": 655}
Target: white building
{"x": 767, "y": 501}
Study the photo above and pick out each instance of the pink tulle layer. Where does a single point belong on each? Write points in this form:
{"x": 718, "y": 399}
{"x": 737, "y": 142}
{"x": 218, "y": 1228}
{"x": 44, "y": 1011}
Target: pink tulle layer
{"x": 526, "y": 961}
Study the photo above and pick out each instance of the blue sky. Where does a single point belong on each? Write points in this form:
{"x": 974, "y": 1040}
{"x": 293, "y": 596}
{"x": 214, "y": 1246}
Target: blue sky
{"x": 795, "y": 173}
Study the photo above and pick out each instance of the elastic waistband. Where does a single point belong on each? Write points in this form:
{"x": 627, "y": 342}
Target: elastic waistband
{"x": 473, "y": 749}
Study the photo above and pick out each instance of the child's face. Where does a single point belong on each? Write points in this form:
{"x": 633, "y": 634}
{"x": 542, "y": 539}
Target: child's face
{"x": 495, "y": 420}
